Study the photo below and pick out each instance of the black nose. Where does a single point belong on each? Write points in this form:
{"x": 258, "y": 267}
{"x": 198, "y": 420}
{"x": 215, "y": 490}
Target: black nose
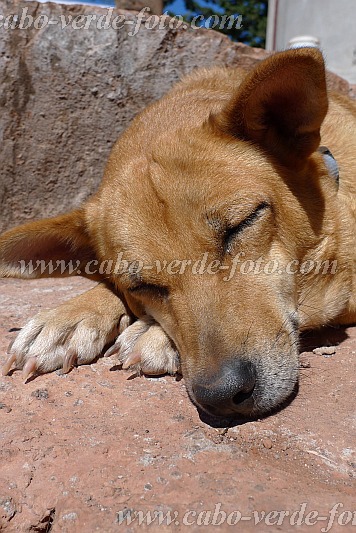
{"x": 228, "y": 393}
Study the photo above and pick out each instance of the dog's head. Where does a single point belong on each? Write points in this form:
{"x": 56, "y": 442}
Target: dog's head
{"x": 204, "y": 221}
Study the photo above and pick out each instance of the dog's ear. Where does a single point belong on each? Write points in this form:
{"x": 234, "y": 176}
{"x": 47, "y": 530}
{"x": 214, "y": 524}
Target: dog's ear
{"x": 56, "y": 247}
{"x": 281, "y": 105}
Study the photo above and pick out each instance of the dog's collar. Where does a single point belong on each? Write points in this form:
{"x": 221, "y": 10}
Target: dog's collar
{"x": 330, "y": 162}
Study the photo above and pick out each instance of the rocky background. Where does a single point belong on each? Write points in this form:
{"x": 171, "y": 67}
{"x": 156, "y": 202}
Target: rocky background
{"x": 79, "y": 452}
{"x": 66, "y": 95}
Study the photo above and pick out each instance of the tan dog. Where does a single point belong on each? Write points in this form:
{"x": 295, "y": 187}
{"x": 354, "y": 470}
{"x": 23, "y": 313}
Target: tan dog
{"x": 222, "y": 173}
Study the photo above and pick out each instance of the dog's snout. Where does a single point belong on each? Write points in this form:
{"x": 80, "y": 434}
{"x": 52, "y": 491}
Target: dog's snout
{"x": 228, "y": 393}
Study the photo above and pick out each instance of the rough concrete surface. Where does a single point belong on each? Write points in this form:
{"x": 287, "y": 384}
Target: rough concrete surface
{"x": 78, "y": 449}
{"x": 66, "y": 94}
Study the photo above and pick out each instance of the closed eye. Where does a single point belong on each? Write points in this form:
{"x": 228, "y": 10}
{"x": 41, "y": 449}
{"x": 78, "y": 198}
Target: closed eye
{"x": 150, "y": 289}
{"x": 232, "y": 232}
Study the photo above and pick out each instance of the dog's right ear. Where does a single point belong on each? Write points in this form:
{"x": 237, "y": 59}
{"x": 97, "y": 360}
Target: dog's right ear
{"x": 280, "y": 106}
{"x": 55, "y": 247}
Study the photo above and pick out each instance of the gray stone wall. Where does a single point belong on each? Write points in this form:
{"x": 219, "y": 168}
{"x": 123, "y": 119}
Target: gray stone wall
{"x": 66, "y": 94}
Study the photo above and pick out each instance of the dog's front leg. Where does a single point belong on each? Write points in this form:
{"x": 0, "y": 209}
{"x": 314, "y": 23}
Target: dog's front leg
{"x": 74, "y": 333}
{"x": 145, "y": 348}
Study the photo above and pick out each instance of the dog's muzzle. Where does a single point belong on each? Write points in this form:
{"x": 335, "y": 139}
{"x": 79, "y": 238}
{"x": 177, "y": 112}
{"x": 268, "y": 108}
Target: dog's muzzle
{"x": 230, "y": 393}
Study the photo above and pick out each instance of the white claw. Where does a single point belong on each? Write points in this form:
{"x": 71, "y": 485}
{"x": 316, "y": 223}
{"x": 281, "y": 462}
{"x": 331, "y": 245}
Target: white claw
{"x": 10, "y": 346}
{"x": 125, "y": 322}
{"x": 7, "y": 366}
{"x": 131, "y": 360}
{"x": 70, "y": 360}
{"x": 29, "y": 368}
{"x": 113, "y": 349}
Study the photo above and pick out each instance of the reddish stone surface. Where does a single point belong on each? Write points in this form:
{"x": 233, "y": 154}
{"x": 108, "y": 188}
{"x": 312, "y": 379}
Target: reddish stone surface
{"x": 78, "y": 449}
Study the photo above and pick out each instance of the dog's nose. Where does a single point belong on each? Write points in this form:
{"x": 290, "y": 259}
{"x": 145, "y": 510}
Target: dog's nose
{"x": 228, "y": 393}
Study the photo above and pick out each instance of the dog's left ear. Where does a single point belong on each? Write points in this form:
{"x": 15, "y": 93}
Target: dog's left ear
{"x": 281, "y": 106}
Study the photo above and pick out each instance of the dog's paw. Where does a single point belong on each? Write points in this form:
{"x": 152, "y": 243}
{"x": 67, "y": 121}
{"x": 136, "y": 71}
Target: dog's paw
{"x": 62, "y": 338}
{"x": 145, "y": 348}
